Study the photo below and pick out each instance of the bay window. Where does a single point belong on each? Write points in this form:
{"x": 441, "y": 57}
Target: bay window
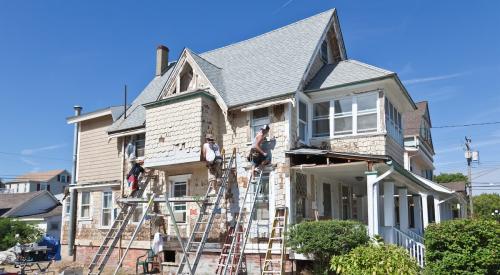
{"x": 320, "y": 119}
{"x": 343, "y": 116}
{"x": 393, "y": 122}
{"x": 367, "y": 113}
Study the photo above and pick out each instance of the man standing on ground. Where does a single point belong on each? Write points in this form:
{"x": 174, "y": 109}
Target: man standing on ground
{"x": 211, "y": 154}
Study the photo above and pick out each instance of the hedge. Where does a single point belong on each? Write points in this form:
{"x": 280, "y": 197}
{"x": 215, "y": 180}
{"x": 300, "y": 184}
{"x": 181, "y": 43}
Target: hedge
{"x": 463, "y": 247}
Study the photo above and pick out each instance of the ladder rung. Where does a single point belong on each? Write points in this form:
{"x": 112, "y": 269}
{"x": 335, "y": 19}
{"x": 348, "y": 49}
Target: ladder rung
{"x": 271, "y": 260}
{"x": 276, "y": 238}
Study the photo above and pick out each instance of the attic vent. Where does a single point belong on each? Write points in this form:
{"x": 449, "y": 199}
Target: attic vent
{"x": 186, "y": 80}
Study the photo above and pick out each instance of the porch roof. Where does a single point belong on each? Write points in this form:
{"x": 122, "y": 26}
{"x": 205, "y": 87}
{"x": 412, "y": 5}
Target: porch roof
{"x": 340, "y": 155}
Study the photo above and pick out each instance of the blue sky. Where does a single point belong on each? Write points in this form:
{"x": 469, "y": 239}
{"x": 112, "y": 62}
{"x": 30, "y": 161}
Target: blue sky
{"x": 54, "y": 54}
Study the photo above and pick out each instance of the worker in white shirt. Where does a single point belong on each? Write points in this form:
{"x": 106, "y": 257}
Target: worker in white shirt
{"x": 211, "y": 154}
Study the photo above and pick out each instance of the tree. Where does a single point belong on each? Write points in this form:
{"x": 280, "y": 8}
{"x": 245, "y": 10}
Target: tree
{"x": 9, "y": 228}
{"x": 324, "y": 239}
{"x": 449, "y": 177}
{"x": 485, "y": 205}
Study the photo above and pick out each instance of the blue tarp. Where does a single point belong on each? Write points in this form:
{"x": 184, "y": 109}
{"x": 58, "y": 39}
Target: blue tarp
{"x": 55, "y": 247}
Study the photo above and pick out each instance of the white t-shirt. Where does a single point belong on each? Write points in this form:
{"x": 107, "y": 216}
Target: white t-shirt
{"x": 211, "y": 151}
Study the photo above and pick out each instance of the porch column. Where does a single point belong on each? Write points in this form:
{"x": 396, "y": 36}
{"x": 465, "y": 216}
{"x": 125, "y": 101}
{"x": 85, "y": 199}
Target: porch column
{"x": 403, "y": 209}
{"x": 437, "y": 209}
{"x": 417, "y": 213}
{"x": 425, "y": 210}
{"x": 372, "y": 197}
{"x": 389, "y": 203}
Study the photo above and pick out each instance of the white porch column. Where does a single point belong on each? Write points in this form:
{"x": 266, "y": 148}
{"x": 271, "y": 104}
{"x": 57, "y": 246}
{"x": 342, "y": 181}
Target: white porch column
{"x": 372, "y": 197}
{"x": 437, "y": 209}
{"x": 417, "y": 213}
{"x": 403, "y": 209}
{"x": 425, "y": 210}
{"x": 389, "y": 203}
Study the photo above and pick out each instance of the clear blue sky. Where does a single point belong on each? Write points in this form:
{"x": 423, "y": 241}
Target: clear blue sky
{"x": 54, "y": 54}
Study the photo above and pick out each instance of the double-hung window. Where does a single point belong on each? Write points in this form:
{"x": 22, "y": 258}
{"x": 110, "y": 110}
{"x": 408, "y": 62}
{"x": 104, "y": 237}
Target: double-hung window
{"x": 393, "y": 121}
{"x": 366, "y": 113}
{"x": 303, "y": 117}
{"x": 260, "y": 117}
{"x": 343, "y": 116}
{"x": 320, "y": 119}
{"x": 107, "y": 209}
{"x": 179, "y": 190}
{"x": 85, "y": 205}
{"x": 67, "y": 205}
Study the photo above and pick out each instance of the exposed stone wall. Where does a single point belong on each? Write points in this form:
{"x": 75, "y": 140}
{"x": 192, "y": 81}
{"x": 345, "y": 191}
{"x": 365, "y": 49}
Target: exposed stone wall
{"x": 368, "y": 144}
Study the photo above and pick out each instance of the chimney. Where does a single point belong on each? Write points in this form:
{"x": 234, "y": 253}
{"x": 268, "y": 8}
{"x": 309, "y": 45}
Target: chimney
{"x": 161, "y": 59}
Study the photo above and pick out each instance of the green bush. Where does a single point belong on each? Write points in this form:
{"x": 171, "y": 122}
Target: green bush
{"x": 324, "y": 239}
{"x": 463, "y": 247}
{"x": 485, "y": 205}
{"x": 375, "y": 259}
{"x": 10, "y": 227}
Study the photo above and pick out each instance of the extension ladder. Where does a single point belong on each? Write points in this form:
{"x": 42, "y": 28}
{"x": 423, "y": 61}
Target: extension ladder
{"x": 233, "y": 260}
{"x": 277, "y": 238}
{"x": 119, "y": 224}
{"x": 227, "y": 244}
{"x": 209, "y": 208}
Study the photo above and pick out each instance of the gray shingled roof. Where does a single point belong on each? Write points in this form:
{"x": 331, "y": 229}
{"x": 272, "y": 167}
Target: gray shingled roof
{"x": 12, "y": 201}
{"x": 269, "y": 65}
{"x": 266, "y": 66}
{"x": 345, "y": 72}
{"x": 136, "y": 114}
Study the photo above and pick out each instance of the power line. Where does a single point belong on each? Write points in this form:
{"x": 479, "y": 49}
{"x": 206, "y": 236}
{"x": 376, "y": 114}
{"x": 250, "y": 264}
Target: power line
{"x": 460, "y": 125}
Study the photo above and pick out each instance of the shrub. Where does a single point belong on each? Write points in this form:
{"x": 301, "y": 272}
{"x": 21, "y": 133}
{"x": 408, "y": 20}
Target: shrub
{"x": 463, "y": 247}
{"x": 10, "y": 227}
{"x": 324, "y": 239}
{"x": 375, "y": 259}
{"x": 485, "y": 205}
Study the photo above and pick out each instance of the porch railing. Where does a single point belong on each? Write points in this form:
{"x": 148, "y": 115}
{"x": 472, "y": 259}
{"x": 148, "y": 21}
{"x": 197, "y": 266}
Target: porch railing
{"x": 415, "y": 236}
{"x": 414, "y": 247}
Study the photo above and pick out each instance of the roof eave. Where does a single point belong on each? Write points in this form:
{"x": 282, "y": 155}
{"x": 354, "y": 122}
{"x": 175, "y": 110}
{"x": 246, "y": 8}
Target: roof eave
{"x": 350, "y": 83}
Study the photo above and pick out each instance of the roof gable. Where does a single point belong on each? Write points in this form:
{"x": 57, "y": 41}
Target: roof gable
{"x": 39, "y": 176}
{"x": 16, "y": 204}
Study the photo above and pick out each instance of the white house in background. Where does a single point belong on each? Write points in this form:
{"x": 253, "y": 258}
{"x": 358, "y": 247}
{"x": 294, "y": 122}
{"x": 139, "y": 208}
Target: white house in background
{"x": 54, "y": 181}
{"x": 39, "y": 208}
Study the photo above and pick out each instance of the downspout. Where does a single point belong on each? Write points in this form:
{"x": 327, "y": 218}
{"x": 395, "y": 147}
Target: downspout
{"x": 73, "y": 193}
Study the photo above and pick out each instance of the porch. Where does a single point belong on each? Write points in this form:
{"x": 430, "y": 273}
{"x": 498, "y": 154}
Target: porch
{"x": 390, "y": 201}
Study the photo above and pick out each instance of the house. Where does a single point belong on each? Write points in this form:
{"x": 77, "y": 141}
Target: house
{"x": 39, "y": 208}
{"x": 54, "y": 181}
{"x": 337, "y": 128}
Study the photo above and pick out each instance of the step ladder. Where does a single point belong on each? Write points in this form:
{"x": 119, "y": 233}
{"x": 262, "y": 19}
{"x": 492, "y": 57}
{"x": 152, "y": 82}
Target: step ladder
{"x": 119, "y": 224}
{"x": 274, "y": 262}
{"x": 210, "y": 206}
{"x": 233, "y": 261}
{"x": 227, "y": 244}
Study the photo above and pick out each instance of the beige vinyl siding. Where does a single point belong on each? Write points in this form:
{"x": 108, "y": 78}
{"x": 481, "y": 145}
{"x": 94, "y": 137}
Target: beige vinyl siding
{"x": 99, "y": 158}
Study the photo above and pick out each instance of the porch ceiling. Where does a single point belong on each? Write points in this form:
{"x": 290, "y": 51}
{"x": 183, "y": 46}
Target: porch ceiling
{"x": 346, "y": 172}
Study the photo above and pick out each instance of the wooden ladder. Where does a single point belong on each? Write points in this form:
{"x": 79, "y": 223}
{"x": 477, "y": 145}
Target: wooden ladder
{"x": 276, "y": 244}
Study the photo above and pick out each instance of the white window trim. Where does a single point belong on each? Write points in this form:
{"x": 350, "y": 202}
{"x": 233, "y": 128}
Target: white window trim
{"x": 354, "y": 115}
{"x": 89, "y": 218}
{"x": 307, "y": 131}
{"x": 110, "y": 208}
{"x": 173, "y": 180}
{"x": 67, "y": 210}
{"x": 252, "y": 133}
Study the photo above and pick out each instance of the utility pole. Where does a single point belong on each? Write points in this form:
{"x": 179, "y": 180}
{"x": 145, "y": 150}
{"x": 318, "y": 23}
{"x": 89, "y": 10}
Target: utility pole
{"x": 470, "y": 156}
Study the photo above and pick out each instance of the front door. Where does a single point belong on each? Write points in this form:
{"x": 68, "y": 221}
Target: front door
{"x": 327, "y": 200}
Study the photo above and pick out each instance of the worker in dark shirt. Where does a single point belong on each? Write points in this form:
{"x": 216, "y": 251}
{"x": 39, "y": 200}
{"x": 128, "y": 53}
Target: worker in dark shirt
{"x": 133, "y": 176}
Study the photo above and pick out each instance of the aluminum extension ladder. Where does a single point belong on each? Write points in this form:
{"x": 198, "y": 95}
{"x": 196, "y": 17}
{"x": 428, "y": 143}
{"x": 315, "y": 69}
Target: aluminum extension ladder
{"x": 208, "y": 210}
{"x": 234, "y": 258}
{"x": 277, "y": 244}
{"x": 119, "y": 224}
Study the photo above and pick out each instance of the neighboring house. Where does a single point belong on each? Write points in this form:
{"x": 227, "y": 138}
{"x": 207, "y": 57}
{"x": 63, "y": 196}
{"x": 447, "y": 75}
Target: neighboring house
{"x": 39, "y": 208}
{"x": 54, "y": 181}
{"x": 338, "y": 149}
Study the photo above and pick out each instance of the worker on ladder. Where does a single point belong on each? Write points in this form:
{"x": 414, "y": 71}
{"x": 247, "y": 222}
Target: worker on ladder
{"x": 133, "y": 176}
{"x": 258, "y": 156}
{"x": 212, "y": 156}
